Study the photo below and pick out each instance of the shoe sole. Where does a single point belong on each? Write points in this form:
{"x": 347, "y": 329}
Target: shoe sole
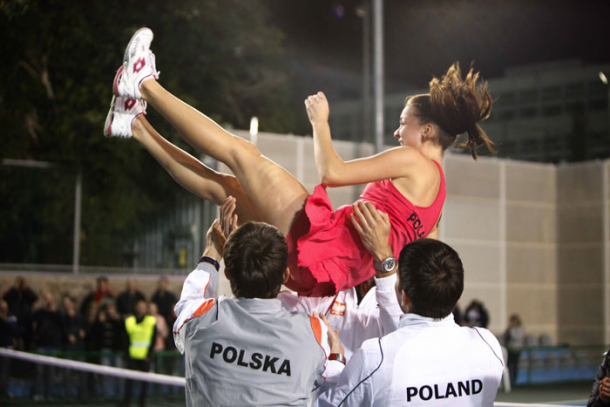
{"x": 134, "y": 40}
{"x": 115, "y": 84}
{"x": 108, "y": 124}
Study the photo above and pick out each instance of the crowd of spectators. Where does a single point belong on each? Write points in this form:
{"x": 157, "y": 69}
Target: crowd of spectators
{"x": 42, "y": 322}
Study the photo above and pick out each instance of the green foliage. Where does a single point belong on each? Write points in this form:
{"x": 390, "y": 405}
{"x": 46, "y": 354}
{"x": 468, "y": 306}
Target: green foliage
{"x": 58, "y": 62}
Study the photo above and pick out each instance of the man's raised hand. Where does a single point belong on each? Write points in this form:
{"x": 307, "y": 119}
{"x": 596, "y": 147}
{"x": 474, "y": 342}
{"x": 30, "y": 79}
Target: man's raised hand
{"x": 228, "y": 218}
{"x": 334, "y": 342}
{"x": 374, "y": 227}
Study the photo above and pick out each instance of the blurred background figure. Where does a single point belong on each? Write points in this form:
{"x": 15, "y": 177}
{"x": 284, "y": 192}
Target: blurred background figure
{"x": 86, "y": 307}
{"x": 75, "y": 334}
{"x": 141, "y": 332}
{"x": 172, "y": 364}
{"x": 161, "y": 327}
{"x": 9, "y": 329}
{"x": 169, "y": 341}
{"x": 163, "y": 364}
{"x": 126, "y": 301}
{"x": 106, "y": 337}
{"x": 164, "y": 299}
{"x": 457, "y": 316}
{"x": 513, "y": 340}
{"x": 20, "y": 300}
{"x": 93, "y": 299}
{"x": 600, "y": 393}
{"x": 476, "y": 315}
{"x": 8, "y": 334}
{"x": 48, "y": 334}
{"x": 74, "y": 327}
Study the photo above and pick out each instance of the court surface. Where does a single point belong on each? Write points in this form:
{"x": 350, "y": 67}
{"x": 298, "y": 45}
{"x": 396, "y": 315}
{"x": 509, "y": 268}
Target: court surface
{"x": 564, "y": 394}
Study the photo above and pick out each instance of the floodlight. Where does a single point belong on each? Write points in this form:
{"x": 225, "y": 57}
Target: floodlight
{"x": 253, "y": 129}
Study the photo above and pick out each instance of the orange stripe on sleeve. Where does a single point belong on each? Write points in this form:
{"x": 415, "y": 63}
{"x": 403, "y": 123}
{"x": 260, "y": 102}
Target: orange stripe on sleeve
{"x": 205, "y": 307}
{"x": 317, "y": 329}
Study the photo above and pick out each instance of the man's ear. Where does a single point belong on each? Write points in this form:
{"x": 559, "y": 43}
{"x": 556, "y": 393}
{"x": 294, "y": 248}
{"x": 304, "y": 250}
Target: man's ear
{"x": 406, "y": 303}
{"x": 405, "y": 297}
{"x": 286, "y": 274}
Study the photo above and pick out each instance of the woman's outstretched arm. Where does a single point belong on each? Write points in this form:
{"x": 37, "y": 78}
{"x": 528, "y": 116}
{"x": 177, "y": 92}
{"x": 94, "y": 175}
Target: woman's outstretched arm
{"x": 326, "y": 157}
{"x": 334, "y": 172}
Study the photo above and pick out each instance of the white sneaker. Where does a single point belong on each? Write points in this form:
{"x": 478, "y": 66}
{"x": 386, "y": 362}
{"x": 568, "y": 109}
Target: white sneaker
{"x": 122, "y": 113}
{"x": 138, "y": 65}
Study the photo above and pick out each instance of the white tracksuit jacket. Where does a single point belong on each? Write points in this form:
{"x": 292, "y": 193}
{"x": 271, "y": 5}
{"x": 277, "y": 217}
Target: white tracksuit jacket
{"x": 426, "y": 362}
{"x": 242, "y": 351}
{"x": 377, "y": 314}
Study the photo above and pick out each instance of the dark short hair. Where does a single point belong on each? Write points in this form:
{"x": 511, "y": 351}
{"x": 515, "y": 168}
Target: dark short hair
{"x": 432, "y": 275}
{"x": 256, "y": 257}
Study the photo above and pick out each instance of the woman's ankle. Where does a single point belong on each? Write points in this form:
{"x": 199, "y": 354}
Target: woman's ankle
{"x": 147, "y": 88}
{"x": 137, "y": 126}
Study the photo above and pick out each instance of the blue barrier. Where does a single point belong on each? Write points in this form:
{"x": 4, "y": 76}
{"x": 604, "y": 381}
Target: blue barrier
{"x": 553, "y": 364}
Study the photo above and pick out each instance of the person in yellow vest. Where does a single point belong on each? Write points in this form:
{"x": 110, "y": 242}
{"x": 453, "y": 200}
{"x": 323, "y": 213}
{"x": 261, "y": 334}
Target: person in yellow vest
{"x": 141, "y": 332}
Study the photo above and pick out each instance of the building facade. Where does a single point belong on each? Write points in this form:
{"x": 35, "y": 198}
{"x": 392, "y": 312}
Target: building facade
{"x": 553, "y": 112}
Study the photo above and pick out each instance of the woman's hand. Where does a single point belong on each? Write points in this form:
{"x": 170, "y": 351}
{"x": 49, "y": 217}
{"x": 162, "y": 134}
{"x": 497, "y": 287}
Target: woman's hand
{"x": 317, "y": 108}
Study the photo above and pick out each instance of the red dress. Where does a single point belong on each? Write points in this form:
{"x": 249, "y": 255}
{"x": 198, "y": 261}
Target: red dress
{"x": 325, "y": 253}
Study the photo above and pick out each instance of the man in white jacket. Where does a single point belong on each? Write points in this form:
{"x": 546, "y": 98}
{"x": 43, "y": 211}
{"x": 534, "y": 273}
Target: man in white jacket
{"x": 247, "y": 350}
{"x": 429, "y": 360}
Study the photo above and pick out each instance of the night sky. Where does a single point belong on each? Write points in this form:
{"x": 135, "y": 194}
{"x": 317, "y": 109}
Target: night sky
{"x": 422, "y": 38}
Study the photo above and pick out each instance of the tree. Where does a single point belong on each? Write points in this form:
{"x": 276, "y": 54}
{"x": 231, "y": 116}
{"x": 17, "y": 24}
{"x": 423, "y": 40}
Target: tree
{"x": 59, "y": 59}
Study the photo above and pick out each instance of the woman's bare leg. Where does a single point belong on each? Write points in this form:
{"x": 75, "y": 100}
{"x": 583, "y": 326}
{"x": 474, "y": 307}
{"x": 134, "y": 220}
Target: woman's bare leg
{"x": 276, "y": 196}
{"x": 191, "y": 173}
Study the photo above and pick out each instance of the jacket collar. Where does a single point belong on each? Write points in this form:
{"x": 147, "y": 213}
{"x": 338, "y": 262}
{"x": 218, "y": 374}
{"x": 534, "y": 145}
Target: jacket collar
{"x": 259, "y": 305}
{"x": 414, "y": 320}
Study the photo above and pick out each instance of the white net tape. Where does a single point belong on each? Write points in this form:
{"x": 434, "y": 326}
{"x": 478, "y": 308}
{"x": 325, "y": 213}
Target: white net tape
{"x": 93, "y": 368}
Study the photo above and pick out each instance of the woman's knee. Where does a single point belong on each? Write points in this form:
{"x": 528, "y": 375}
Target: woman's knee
{"x": 251, "y": 147}
{"x": 243, "y": 149}
{"x": 230, "y": 185}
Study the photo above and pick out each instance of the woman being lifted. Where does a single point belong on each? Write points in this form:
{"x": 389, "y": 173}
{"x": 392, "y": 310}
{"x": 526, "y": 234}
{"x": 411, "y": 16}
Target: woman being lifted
{"x": 326, "y": 255}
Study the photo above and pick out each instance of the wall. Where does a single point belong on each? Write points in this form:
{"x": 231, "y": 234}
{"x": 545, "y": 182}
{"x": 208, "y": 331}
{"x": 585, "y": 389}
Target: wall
{"x": 580, "y": 251}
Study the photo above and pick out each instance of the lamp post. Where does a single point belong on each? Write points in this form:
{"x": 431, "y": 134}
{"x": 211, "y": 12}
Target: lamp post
{"x": 604, "y": 78}
{"x": 364, "y": 12}
{"x": 378, "y": 72}
{"x": 606, "y": 223}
